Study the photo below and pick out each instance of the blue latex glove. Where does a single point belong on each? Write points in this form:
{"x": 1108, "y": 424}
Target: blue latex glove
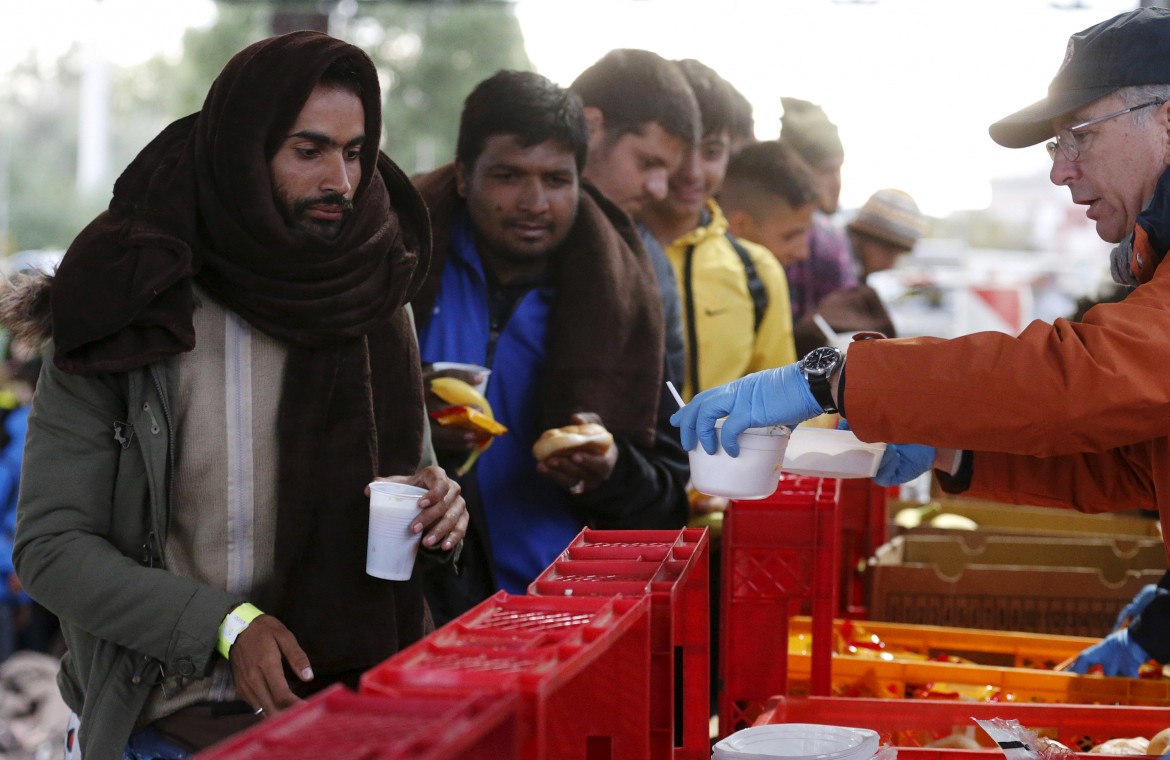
{"x": 1115, "y": 653}
{"x": 1135, "y": 607}
{"x": 902, "y": 462}
{"x": 773, "y": 397}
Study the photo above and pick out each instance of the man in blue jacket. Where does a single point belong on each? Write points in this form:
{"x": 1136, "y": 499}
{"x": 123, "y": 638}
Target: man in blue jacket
{"x": 544, "y": 281}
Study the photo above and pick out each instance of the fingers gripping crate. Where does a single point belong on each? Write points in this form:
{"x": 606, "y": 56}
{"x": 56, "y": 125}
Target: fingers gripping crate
{"x": 670, "y": 567}
{"x": 780, "y": 557}
{"x": 404, "y": 726}
{"x": 567, "y": 658}
{"x": 915, "y": 723}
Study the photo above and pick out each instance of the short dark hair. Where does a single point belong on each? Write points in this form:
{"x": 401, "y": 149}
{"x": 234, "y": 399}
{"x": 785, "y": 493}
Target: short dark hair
{"x": 524, "y": 104}
{"x": 768, "y": 168}
{"x": 633, "y": 88}
{"x": 713, "y": 93}
{"x": 743, "y": 123}
{"x": 342, "y": 73}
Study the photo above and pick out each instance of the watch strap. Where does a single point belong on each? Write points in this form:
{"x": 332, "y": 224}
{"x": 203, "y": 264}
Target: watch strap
{"x": 822, "y": 391}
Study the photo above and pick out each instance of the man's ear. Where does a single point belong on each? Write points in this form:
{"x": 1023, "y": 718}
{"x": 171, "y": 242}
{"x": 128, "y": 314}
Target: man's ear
{"x": 461, "y": 178}
{"x": 1163, "y": 117}
{"x": 595, "y": 120}
{"x": 740, "y": 223}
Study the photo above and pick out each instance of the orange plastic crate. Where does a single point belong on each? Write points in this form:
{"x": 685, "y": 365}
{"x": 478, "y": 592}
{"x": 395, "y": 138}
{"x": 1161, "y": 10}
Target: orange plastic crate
{"x": 406, "y": 726}
{"x": 1003, "y": 648}
{"x": 1026, "y": 674}
{"x": 670, "y": 567}
{"x": 566, "y": 656}
{"x": 913, "y": 723}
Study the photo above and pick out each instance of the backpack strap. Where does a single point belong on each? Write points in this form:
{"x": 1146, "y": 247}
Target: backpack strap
{"x": 756, "y": 288}
{"x": 692, "y": 331}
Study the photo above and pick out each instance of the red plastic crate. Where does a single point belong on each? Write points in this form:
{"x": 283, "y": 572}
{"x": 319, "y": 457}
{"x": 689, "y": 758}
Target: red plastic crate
{"x": 671, "y": 568}
{"x": 913, "y": 723}
{"x": 780, "y": 558}
{"x": 940, "y": 753}
{"x": 567, "y": 656}
{"x": 405, "y": 726}
{"x": 864, "y": 527}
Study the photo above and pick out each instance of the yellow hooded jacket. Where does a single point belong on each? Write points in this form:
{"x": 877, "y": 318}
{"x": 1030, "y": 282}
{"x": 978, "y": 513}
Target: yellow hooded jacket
{"x": 724, "y": 342}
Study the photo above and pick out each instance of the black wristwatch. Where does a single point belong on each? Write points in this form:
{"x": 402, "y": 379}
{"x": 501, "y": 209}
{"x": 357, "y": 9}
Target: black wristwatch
{"x": 817, "y": 367}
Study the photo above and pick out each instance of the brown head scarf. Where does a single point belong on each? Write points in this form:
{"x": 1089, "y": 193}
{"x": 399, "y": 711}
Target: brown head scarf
{"x": 198, "y": 204}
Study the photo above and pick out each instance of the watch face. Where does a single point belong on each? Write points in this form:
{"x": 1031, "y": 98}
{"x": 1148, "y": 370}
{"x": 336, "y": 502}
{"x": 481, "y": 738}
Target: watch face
{"x": 821, "y": 360}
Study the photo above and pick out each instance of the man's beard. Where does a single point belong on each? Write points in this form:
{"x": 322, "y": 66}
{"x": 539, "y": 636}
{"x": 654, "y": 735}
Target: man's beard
{"x": 296, "y": 214}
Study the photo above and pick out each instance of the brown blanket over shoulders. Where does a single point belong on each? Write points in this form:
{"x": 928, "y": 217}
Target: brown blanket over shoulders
{"x": 605, "y": 339}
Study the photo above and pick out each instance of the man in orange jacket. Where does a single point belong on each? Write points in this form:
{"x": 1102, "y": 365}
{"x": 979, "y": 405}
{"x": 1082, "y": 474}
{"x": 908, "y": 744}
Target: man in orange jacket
{"x": 1065, "y": 414}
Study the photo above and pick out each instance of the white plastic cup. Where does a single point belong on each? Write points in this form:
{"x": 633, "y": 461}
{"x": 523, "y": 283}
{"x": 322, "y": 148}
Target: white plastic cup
{"x": 481, "y": 386}
{"x": 392, "y": 547}
{"x": 754, "y": 474}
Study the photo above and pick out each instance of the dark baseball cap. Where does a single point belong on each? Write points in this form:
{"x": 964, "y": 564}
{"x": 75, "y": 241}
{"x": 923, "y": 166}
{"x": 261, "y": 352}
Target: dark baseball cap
{"x": 1129, "y": 49}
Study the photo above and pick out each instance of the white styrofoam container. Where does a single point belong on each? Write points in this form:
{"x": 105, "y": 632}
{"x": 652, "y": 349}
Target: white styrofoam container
{"x": 831, "y": 453}
{"x": 754, "y": 474}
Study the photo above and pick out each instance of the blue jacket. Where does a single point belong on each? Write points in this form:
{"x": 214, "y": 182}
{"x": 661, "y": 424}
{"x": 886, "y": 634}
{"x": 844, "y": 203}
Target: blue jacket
{"x": 527, "y": 520}
{"x": 15, "y": 424}
{"x": 518, "y": 503}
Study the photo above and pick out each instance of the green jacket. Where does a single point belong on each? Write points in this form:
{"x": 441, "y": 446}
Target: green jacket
{"x": 91, "y": 527}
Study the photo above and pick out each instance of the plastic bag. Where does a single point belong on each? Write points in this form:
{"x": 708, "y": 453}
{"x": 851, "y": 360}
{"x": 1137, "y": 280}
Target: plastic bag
{"x": 1019, "y": 743}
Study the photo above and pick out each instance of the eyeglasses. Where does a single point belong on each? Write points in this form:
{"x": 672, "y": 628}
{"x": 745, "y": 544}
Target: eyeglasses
{"x": 1066, "y": 139}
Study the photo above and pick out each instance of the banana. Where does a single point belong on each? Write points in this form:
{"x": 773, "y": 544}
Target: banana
{"x": 458, "y": 393}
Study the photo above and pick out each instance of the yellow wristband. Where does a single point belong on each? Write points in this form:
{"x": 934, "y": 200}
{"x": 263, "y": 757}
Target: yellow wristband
{"x": 233, "y": 625}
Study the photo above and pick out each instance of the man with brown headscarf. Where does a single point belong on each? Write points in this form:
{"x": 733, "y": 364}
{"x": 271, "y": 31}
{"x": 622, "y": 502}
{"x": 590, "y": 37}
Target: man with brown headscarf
{"x": 232, "y": 363}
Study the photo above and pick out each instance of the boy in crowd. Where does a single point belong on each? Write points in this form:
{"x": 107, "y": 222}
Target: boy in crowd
{"x": 642, "y": 119}
{"x": 769, "y": 197}
{"x": 735, "y": 299}
{"x": 806, "y": 129}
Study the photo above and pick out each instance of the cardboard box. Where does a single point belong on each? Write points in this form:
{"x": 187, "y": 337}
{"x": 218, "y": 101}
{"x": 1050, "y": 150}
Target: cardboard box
{"x": 1070, "y": 586}
{"x": 1014, "y": 519}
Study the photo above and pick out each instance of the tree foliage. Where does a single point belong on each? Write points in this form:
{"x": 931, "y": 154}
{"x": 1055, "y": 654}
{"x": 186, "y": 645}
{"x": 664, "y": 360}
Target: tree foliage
{"x": 429, "y": 56}
{"x": 39, "y": 130}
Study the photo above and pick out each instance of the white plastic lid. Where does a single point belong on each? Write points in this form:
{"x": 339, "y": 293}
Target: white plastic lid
{"x": 798, "y": 741}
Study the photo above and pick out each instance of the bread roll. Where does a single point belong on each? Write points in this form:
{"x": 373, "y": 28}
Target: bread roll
{"x": 1160, "y": 743}
{"x": 590, "y": 437}
{"x": 1137, "y": 745}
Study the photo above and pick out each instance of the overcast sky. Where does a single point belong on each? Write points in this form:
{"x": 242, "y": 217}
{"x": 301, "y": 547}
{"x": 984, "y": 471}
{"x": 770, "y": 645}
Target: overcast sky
{"x": 912, "y": 84}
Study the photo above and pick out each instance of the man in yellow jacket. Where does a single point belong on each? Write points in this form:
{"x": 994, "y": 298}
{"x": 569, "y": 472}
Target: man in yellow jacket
{"x": 736, "y": 315}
